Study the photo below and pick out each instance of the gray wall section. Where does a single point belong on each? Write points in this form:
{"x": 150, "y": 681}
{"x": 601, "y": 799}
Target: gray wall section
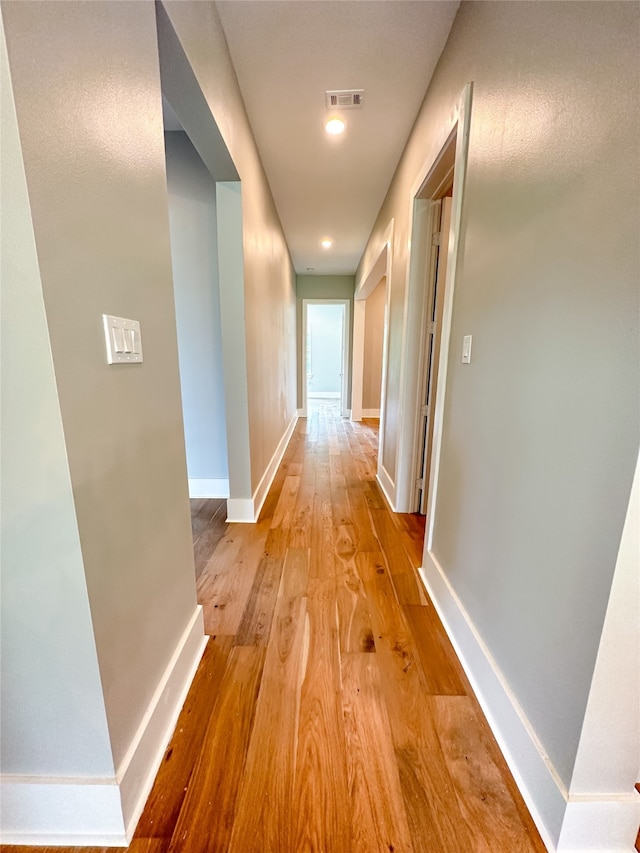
{"x": 194, "y": 258}
{"x": 234, "y": 345}
{"x": 52, "y": 712}
{"x": 269, "y": 278}
{"x": 322, "y": 287}
{"x": 87, "y": 90}
{"x": 541, "y": 430}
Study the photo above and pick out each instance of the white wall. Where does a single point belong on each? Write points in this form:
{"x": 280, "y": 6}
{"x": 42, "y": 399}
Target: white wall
{"x": 194, "y": 258}
{"x": 541, "y": 430}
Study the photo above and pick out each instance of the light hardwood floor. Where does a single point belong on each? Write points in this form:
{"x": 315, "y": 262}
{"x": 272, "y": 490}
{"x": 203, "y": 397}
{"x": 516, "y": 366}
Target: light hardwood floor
{"x": 329, "y": 713}
{"x": 208, "y": 525}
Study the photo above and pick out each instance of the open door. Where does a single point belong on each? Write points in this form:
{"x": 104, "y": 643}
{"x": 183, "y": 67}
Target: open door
{"x": 433, "y": 342}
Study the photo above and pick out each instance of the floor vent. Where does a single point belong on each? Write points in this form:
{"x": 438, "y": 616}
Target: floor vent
{"x": 344, "y": 99}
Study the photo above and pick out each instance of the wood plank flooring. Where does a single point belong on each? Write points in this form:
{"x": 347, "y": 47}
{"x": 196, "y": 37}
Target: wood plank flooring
{"x": 329, "y": 713}
{"x": 208, "y": 523}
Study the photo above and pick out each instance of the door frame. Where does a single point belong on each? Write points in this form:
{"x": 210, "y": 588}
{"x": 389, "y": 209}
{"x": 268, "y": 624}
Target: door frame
{"x": 430, "y": 182}
{"x": 380, "y": 269}
{"x": 428, "y": 382}
{"x": 346, "y": 336}
{"x": 182, "y": 91}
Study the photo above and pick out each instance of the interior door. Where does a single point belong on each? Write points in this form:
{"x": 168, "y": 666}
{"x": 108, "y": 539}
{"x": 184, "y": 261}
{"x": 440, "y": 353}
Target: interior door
{"x": 433, "y": 354}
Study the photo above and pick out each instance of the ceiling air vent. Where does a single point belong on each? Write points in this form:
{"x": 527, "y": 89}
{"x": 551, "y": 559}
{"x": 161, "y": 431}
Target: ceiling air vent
{"x": 344, "y": 99}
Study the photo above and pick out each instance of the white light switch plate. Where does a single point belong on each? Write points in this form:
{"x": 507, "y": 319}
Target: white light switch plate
{"x": 123, "y": 340}
{"x": 466, "y": 349}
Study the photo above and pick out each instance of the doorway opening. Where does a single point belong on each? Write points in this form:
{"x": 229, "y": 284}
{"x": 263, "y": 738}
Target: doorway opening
{"x": 437, "y": 198}
{"x": 208, "y": 258}
{"x": 325, "y": 336}
{"x": 375, "y": 322}
{"x": 191, "y": 195}
{"x": 191, "y": 198}
{"x": 377, "y": 281}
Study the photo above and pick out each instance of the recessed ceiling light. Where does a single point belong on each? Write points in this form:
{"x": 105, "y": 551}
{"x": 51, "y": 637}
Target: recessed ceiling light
{"x": 326, "y": 243}
{"x": 335, "y": 126}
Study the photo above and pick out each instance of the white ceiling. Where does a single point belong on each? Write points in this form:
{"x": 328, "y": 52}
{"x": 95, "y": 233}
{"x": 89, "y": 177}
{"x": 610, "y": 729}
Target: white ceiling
{"x": 287, "y": 53}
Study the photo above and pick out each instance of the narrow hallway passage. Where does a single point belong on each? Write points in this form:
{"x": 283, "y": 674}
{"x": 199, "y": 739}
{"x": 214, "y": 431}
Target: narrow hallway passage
{"x": 329, "y": 713}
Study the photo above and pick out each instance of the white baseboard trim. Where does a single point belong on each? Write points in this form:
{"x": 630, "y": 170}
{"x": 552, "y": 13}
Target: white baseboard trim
{"x": 240, "y": 510}
{"x": 139, "y": 767}
{"x": 103, "y": 812}
{"x": 600, "y": 825}
{"x": 247, "y": 510}
{"x": 386, "y": 484}
{"x": 208, "y": 488}
{"x": 301, "y": 413}
{"x": 541, "y": 788}
{"x": 267, "y": 478}
{"x": 74, "y": 812}
{"x": 371, "y": 413}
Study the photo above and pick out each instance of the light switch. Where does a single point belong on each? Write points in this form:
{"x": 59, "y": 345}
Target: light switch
{"x": 117, "y": 336}
{"x": 466, "y": 349}
{"x": 123, "y": 340}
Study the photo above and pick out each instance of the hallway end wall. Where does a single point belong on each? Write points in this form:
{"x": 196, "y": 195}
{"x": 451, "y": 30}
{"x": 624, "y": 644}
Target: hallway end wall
{"x": 321, "y": 287}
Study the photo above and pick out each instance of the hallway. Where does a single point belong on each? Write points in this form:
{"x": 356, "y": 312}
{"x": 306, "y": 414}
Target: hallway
{"x": 336, "y": 683}
{"x": 329, "y": 712}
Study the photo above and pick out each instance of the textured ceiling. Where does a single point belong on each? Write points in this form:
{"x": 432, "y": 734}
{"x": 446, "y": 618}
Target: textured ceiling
{"x": 287, "y": 53}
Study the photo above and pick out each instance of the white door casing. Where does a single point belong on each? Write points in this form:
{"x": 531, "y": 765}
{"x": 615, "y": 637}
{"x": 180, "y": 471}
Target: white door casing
{"x": 429, "y": 185}
{"x": 432, "y": 340}
{"x": 345, "y": 369}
